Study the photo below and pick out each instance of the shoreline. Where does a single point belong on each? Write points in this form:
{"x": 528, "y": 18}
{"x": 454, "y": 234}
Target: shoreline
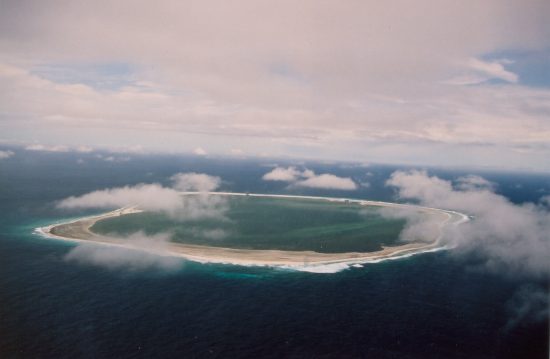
{"x": 78, "y": 231}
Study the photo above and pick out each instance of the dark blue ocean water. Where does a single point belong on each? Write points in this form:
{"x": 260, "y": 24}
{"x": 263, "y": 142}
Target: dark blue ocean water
{"x": 435, "y": 305}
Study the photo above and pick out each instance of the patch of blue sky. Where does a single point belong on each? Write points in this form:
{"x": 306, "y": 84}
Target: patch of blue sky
{"x": 100, "y": 76}
{"x": 532, "y": 67}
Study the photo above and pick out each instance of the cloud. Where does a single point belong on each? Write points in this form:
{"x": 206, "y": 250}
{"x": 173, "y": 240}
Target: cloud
{"x": 154, "y": 197}
{"x": 289, "y": 174}
{"x": 84, "y": 149}
{"x": 278, "y": 86}
{"x": 507, "y": 237}
{"x": 192, "y": 181}
{"x": 115, "y": 158}
{"x": 474, "y": 182}
{"x": 199, "y": 151}
{"x": 308, "y": 178}
{"x": 493, "y": 69}
{"x": 47, "y": 148}
{"x": 328, "y": 181}
{"x": 419, "y": 227}
{"x": 6, "y": 154}
{"x": 141, "y": 252}
{"x": 203, "y": 206}
{"x": 236, "y": 152}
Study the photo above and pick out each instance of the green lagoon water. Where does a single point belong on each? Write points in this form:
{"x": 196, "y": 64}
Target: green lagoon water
{"x": 269, "y": 223}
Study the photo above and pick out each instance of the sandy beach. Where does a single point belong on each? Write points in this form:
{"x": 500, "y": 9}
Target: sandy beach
{"x": 79, "y": 231}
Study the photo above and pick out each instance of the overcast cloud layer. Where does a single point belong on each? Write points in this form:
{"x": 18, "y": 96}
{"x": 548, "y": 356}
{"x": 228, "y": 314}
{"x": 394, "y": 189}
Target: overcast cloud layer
{"x": 435, "y": 82}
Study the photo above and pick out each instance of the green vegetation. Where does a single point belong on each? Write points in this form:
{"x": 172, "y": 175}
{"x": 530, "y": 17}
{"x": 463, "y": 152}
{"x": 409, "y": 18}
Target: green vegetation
{"x": 272, "y": 223}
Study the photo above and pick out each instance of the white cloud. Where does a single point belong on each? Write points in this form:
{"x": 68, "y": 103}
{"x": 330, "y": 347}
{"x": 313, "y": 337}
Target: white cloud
{"x": 511, "y": 238}
{"x": 420, "y": 227}
{"x": 192, "y": 181}
{"x": 151, "y": 197}
{"x": 474, "y": 182}
{"x": 154, "y": 197}
{"x": 308, "y": 178}
{"x": 289, "y": 174}
{"x": 84, "y": 149}
{"x": 328, "y": 181}
{"x": 236, "y": 152}
{"x": 141, "y": 252}
{"x": 199, "y": 151}
{"x": 278, "y": 87}
{"x": 115, "y": 158}
{"x": 364, "y": 184}
{"x": 47, "y": 148}
{"x": 494, "y": 69}
{"x": 6, "y": 154}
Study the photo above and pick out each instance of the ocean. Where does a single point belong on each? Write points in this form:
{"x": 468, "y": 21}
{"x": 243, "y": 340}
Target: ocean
{"x": 433, "y": 305}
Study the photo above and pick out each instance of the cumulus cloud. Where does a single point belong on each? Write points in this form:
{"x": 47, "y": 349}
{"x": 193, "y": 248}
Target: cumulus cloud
{"x": 473, "y": 182}
{"x": 308, "y": 178}
{"x": 199, "y": 182}
{"x": 507, "y": 237}
{"x": 47, "y": 148}
{"x": 493, "y": 69}
{"x": 199, "y": 151}
{"x": 84, "y": 149}
{"x": 289, "y": 174}
{"x": 236, "y": 152}
{"x": 140, "y": 252}
{"x": 503, "y": 237}
{"x": 6, "y": 154}
{"x": 420, "y": 227}
{"x": 115, "y": 158}
{"x": 155, "y": 197}
{"x": 203, "y": 206}
{"x": 328, "y": 181}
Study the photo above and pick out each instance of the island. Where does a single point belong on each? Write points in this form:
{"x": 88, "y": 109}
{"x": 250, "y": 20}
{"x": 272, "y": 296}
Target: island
{"x": 81, "y": 230}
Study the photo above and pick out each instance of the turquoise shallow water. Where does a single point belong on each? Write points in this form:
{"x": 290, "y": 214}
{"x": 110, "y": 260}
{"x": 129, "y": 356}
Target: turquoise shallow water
{"x": 269, "y": 223}
{"x": 436, "y": 305}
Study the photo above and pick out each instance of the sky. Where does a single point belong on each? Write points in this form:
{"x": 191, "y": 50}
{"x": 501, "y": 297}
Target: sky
{"x": 459, "y": 83}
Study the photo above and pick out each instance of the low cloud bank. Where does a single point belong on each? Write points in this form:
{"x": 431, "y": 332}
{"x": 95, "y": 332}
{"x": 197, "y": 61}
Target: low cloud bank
{"x": 419, "y": 227}
{"x": 505, "y": 237}
{"x": 154, "y": 197}
{"x": 308, "y": 178}
{"x": 508, "y": 237}
{"x": 47, "y": 148}
{"x": 195, "y": 182}
{"x": 6, "y": 154}
{"x": 143, "y": 253}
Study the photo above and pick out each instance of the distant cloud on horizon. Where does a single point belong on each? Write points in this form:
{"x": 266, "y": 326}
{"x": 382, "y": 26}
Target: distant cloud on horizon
{"x": 6, "y": 154}
{"x": 448, "y": 88}
{"x": 308, "y": 178}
